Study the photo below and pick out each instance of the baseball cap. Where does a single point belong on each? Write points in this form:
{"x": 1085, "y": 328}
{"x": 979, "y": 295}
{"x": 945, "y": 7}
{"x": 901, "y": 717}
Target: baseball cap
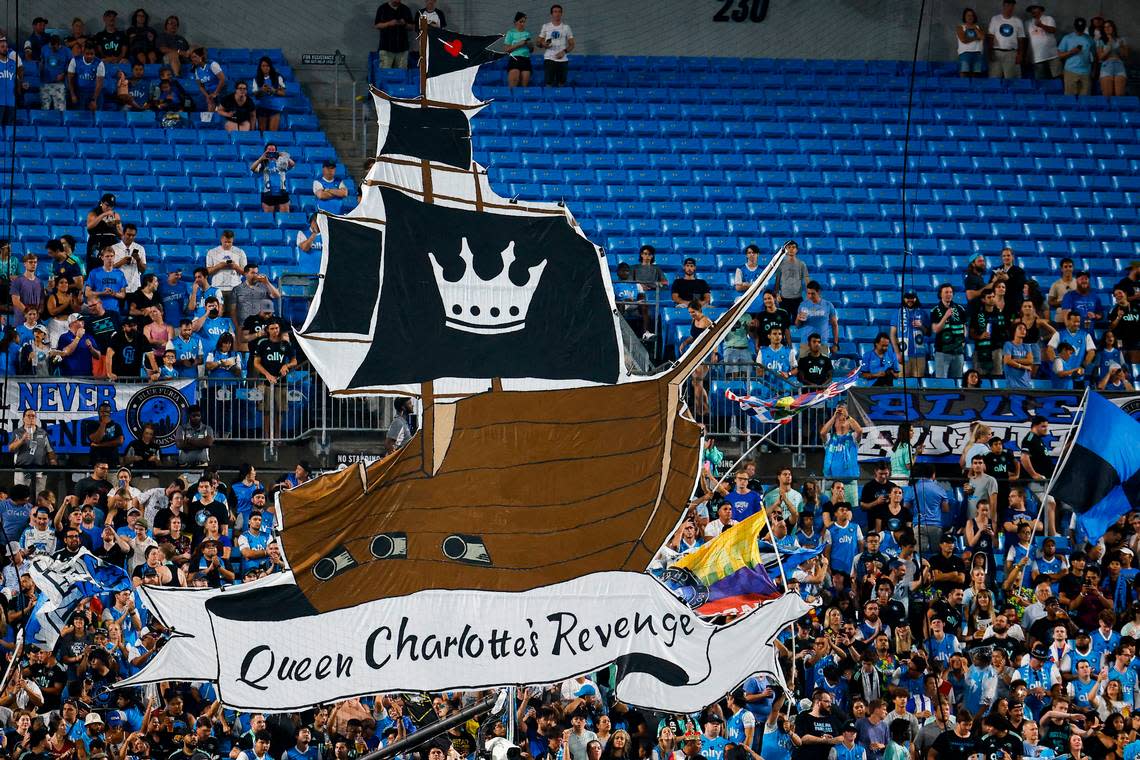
{"x": 713, "y": 718}
{"x": 947, "y": 538}
{"x": 1030, "y": 9}
{"x": 110, "y": 12}
{"x": 136, "y": 510}
{"x": 75, "y": 317}
{"x": 108, "y": 198}
{"x": 849, "y": 726}
{"x": 1040, "y": 652}
{"x": 129, "y": 320}
{"x": 265, "y": 305}
{"x": 115, "y": 719}
{"x": 329, "y": 164}
{"x": 93, "y": 719}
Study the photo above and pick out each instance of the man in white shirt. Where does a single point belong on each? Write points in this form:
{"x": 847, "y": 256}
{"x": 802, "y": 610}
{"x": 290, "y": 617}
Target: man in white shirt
{"x": 225, "y": 264}
{"x": 557, "y": 41}
{"x": 1043, "y": 43}
{"x": 130, "y": 257}
{"x": 1006, "y": 38}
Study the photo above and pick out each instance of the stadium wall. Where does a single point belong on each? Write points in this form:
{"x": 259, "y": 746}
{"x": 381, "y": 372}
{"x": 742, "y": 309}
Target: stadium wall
{"x": 841, "y": 29}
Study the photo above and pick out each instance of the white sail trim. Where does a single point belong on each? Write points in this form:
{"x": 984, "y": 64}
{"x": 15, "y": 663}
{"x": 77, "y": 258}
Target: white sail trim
{"x": 456, "y": 87}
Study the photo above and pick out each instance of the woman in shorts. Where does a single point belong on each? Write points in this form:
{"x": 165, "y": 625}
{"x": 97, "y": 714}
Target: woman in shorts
{"x": 519, "y": 44}
{"x": 971, "y": 40}
{"x": 1112, "y": 52}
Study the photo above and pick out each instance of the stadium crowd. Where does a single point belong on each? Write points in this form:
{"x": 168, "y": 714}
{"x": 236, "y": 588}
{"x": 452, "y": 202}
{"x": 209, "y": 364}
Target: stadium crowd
{"x": 1007, "y": 327}
{"x": 949, "y": 627}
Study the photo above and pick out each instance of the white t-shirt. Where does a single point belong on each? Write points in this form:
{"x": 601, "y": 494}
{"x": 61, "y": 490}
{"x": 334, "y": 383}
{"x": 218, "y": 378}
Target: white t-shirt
{"x": 225, "y": 279}
{"x": 1043, "y": 43}
{"x": 130, "y": 270}
{"x": 558, "y": 37}
{"x": 716, "y": 527}
{"x": 970, "y": 47}
{"x": 1006, "y": 31}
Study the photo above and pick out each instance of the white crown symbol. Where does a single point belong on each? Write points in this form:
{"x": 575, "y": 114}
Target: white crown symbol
{"x": 473, "y": 304}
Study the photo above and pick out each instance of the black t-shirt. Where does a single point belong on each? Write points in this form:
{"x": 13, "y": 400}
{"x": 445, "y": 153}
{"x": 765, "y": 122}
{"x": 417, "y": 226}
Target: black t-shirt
{"x": 947, "y": 612}
{"x": 689, "y": 290}
{"x": 108, "y": 454}
{"x": 101, "y": 329}
{"x": 809, "y": 725}
{"x": 893, "y": 613}
{"x": 994, "y": 746}
{"x": 142, "y": 301}
{"x": 974, "y": 281}
{"x": 113, "y": 556}
{"x": 274, "y": 355}
{"x": 871, "y": 491}
{"x": 1128, "y": 329}
{"x": 1001, "y": 466}
{"x": 769, "y": 319}
{"x": 394, "y": 39}
{"x": 110, "y": 44}
{"x": 951, "y": 564}
{"x": 814, "y": 370}
{"x": 47, "y": 676}
{"x": 103, "y": 487}
{"x": 950, "y": 746}
{"x": 241, "y": 111}
{"x": 129, "y": 353}
{"x": 952, "y": 338}
{"x": 1008, "y": 644}
{"x": 1034, "y": 445}
{"x": 198, "y": 514}
{"x": 139, "y": 448}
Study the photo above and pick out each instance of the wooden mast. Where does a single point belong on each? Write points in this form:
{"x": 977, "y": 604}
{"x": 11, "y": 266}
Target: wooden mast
{"x": 438, "y": 423}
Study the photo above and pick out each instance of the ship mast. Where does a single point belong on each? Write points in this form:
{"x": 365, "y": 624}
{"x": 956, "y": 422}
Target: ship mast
{"x": 435, "y": 433}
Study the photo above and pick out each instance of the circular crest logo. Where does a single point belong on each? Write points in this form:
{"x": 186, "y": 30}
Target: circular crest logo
{"x": 685, "y": 585}
{"x": 1006, "y": 30}
{"x": 1132, "y": 408}
{"x": 159, "y": 405}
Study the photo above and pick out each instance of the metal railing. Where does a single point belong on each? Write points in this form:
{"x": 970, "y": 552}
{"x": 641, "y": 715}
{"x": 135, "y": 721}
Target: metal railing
{"x": 299, "y": 407}
{"x": 725, "y": 419}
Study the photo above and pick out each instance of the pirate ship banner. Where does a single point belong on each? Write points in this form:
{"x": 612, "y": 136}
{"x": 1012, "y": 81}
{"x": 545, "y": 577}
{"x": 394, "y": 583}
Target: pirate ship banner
{"x": 507, "y": 542}
{"x": 667, "y": 657}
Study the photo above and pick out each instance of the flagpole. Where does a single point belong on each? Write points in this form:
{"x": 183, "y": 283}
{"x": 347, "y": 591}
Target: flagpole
{"x": 750, "y": 449}
{"x": 423, "y": 62}
{"x": 1073, "y": 434}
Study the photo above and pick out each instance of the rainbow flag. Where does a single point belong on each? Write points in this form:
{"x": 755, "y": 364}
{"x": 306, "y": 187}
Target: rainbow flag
{"x": 736, "y": 548}
{"x": 781, "y": 410}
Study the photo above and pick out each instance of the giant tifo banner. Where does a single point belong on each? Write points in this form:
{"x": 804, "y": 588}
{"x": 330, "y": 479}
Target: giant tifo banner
{"x": 263, "y": 655}
{"x": 65, "y": 407}
{"x": 943, "y": 418}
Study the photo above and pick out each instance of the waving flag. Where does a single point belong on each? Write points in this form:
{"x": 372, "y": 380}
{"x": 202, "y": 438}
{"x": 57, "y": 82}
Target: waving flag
{"x": 1100, "y": 478}
{"x": 453, "y": 60}
{"x": 63, "y": 584}
{"x": 781, "y": 410}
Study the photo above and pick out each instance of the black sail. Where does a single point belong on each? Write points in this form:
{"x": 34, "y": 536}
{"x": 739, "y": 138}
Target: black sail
{"x": 439, "y": 135}
{"x": 476, "y": 324}
{"x": 351, "y": 280}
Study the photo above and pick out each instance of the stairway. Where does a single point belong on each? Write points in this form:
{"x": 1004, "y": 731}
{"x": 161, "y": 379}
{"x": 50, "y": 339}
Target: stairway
{"x": 334, "y": 112}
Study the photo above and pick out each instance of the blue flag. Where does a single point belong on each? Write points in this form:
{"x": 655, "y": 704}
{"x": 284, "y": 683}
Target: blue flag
{"x": 1100, "y": 479}
{"x": 62, "y": 585}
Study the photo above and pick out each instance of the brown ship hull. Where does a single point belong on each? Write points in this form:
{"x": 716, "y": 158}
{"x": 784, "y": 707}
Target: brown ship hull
{"x": 546, "y": 485}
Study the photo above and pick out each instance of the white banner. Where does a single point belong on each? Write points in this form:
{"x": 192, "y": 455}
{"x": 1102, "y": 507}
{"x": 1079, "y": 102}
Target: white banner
{"x": 63, "y": 406}
{"x": 668, "y": 658}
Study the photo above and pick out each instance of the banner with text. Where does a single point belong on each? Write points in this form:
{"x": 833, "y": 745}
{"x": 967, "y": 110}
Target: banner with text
{"x": 261, "y": 658}
{"x": 67, "y": 409}
{"x": 942, "y": 418}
